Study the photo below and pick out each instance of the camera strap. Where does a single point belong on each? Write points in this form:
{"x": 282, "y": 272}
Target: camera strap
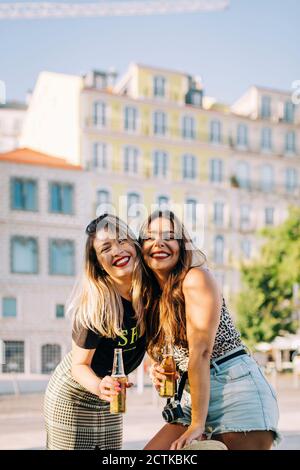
{"x": 179, "y": 391}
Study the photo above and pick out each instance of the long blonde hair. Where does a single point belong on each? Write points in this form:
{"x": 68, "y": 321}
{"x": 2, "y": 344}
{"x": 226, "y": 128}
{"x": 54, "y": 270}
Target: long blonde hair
{"x": 165, "y": 309}
{"x": 95, "y": 302}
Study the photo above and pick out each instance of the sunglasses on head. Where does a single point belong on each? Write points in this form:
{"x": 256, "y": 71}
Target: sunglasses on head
{"x": 92, "y": 227}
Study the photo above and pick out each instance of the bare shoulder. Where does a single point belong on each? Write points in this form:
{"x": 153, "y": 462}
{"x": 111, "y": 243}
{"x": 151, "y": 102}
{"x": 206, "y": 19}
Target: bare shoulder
{"x": 199, "y": 278}
{"x": 201, "y": 294}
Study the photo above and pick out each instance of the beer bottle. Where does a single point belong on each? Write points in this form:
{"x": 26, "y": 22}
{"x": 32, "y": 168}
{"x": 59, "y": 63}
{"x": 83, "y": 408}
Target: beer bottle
{"x": 118, "y": 404}
{"x": 167, "y": 389}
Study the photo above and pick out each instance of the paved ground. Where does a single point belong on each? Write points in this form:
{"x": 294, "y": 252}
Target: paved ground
{"x": 22, "y": 427}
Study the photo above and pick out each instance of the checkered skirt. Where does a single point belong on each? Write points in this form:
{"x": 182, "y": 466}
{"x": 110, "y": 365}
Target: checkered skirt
{"x": 75, "y": 418}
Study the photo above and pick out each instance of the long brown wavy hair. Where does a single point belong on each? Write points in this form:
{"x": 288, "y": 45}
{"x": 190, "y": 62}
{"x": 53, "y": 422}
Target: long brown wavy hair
{"x": 95, "y": 302}
{"x": 165, "y": 309}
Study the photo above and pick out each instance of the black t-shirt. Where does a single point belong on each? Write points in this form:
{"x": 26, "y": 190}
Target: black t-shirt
{"x": 132, "y": 344}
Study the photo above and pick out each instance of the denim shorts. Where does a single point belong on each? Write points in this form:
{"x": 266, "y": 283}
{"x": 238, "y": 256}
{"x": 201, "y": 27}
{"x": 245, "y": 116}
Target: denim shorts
{"x": 241, "y": 399}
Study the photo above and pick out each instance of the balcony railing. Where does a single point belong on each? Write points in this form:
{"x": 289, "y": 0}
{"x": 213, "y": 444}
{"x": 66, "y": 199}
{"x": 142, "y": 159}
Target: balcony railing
{"x": 251, "y": 148}
{"x": 258, "y": 186}
{"x": 146, "y": 130}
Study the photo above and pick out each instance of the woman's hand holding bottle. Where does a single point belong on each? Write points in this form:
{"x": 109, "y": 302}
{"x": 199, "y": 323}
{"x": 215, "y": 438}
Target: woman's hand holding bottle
{"x": 109, "y": 387}
{"x": 156, "y": 373}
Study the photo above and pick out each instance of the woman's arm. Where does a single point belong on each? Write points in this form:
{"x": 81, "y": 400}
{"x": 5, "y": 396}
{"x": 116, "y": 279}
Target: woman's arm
{"x": 203, "y": 307}
{"x": 82, "y": 372}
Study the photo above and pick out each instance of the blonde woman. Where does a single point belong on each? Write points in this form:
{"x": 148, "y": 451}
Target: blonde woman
{"x": 228, "y": 398}
{"x": 108, "y": 314}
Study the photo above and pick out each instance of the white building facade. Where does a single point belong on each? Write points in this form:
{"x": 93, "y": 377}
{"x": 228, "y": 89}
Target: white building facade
{"x": 12, "y": 116}
{"x": 42, "y": 219}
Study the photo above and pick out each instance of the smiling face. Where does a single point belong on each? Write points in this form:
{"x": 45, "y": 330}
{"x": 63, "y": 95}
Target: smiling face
{"x": 160, "y": 249}
{"x": 115, "y": 255}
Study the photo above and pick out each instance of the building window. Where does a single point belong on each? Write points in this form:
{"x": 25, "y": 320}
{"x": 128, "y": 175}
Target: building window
{"x": 219, "y": 213}
{"x": 289, "y": 112}
{"x": 102, "y": 201}
{"x": 265, "y": 110}
{"x": 131, "y": 159}
{"x": 99, "y": 114}
{"x": 130, "y": 118}
{"x": 188, "y": 127}
{"x": 61, "y": 198}
{"x": 246, "y": 248}
{"x": 160, "y": 120}
{"x": 24, "y": 255}
{"x": 244, "y": 214}
{"x": 242, "y": 135}
{"x": 269, "y": 216}
{"x": 291, "y": 179}
{"x": 267, "y": 178}
{"x": 62, "y": 257}
{"x": 160, "y": 163}
{"x": 23, "y": 194}
{"x": 243, "y": 174}
{"x": 51, "y": 357}
{"x": 17, "y": 126}
{"x": 266, "y": 139}
{"x": 163, "y": 202}
{"x": 191, "y": 215}
{"x": 290, "y": 142}
{"x": 9, "y": 307}
{"x": 159, "y": 86}
{"x": 103, "y": 196}
{"x": 216, "y": 170}
{"x": 14, "y": 360}
{"x": 215, "y": 132}
{"x": 219, "y": 249}
{"x": 100, "y": 155}
{"x": 189, "y": 167}
{"x": 133, "y": 200}
{"x": 194, "y": 97}
{"x": 60, "y": 311}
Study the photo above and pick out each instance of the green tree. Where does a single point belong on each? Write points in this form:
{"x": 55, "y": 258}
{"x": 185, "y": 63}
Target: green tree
{"x": 265, "y": 304}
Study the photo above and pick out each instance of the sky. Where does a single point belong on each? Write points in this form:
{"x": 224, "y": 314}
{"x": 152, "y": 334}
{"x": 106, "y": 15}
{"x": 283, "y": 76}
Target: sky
{"x": 253, "y": 42}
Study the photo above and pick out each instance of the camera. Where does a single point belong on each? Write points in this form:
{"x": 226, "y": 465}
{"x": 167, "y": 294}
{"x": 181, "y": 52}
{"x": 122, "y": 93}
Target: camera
{"x": 172, "y": 411}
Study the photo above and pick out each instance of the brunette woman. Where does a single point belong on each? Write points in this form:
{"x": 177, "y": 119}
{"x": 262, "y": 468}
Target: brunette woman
{"x": 228, "y": 398}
